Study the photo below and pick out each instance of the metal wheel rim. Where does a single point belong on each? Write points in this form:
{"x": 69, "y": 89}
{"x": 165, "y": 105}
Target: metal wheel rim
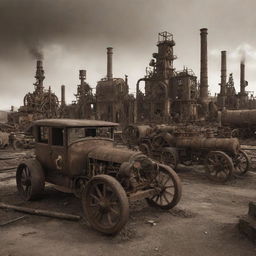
{"x": 103, "y": 205}
{"x": 241, "y": 163}
{"x": 167, "y": 190}
{"x": 218, "y": 167}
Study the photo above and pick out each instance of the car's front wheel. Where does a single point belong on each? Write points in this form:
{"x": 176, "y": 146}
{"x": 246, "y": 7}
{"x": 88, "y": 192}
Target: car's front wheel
{"x": 105, "y": 204}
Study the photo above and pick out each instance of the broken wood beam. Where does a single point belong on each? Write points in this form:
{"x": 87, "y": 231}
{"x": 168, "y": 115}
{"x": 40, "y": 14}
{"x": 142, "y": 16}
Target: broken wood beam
{"x": 46, "y": 213}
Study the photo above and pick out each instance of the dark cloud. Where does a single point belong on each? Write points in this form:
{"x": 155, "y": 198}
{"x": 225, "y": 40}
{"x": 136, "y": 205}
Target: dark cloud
{"x": 71, "y": 35}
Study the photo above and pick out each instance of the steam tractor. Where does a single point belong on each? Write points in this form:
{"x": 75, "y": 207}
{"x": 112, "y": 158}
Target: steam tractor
{"x": 80, "y": 156}
{"x": 171, "y": 145}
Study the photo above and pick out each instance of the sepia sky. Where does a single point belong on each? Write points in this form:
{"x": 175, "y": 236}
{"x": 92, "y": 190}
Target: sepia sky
{"x": 73, "y": 35}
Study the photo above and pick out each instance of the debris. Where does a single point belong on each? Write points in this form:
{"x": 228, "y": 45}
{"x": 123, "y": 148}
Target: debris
{"x": 152, "y": 222}
{"x": 29, "y": 233}
{"x": 46, "y": 213}
{"x": 12, "y": 221}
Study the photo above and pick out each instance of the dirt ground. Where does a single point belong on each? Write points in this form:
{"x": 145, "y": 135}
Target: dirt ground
{"x": 203, "y": 223}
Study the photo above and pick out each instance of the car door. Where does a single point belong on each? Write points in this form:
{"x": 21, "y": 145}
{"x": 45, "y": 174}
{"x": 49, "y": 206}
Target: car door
{"x": 58, "y": 149}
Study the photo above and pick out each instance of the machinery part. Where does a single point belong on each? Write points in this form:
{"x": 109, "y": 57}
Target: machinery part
{"x": 30, "y": 179}
{"x": 170, "y": 157}
{"x": 159, "y": 140}
{"x": 235, "y": 133}
{"x": 105, "y": 204}
{"x": 170, "y": 189}
{"x": 133, "y": 133}
{"x": 219, "y": 166}
{"x": 144, "y": 148}
{"x": 242, "y": 163}
{"x": 230, "y": 145}
{"x": 238, "y": 118}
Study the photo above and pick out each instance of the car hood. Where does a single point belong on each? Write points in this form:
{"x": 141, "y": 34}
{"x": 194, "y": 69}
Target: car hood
{"x": 112, "y": 154}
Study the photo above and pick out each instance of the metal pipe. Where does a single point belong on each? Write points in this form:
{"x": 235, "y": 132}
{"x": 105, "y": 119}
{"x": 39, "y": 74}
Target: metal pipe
{"x": 109, "y": 63}
{"x": 204, "y": 69}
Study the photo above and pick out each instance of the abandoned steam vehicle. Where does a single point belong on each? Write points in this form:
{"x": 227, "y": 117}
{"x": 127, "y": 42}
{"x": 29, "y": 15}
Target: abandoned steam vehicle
{"x": 171, "y": 145}
{"x": 80, "y": 156}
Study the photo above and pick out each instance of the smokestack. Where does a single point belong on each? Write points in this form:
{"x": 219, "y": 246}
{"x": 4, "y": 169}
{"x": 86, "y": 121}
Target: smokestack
{"x": 82, "y": 75}
{"x": 63, "y": 103}
{"x": 126, "y": 79}
{"x": 242, "y": 78}
{"x": 204, "y": 70}
{"x": 109, "y": 63}
{"x": 39, "y": 75}
{"x": 223, "y": 83}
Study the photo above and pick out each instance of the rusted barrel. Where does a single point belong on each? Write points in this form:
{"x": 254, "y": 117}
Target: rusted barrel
{"x": 230, "y": 145}
{"x": 238, "y": 118}
{"x": 133, "y": 133}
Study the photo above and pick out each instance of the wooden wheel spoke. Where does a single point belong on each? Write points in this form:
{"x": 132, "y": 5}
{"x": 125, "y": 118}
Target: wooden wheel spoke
{"x": 95, "y": 197}
{"x": 109, "y": 218}
{"x": 165, "y": 197}
{"x": 98, "y": 191}
{"x": 114, "y": 211}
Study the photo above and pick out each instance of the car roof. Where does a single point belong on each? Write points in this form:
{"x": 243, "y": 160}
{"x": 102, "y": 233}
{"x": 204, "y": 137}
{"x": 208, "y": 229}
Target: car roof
{"x": 73, "y": 123}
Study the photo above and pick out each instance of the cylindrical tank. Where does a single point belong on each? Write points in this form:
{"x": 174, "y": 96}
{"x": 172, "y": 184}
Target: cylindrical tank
{"x": 230, "y": 145}
{"x": 238, "y": 118}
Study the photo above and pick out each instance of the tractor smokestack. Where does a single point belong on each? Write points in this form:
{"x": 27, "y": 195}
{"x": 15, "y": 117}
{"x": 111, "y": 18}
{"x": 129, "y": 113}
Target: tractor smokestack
{"x": 223, "y": 76}
{"x": 242, "y": 78}
{"x": 204, "y": 69}
{"x": 63, "y": 102}
{"x": 109, "y": 63}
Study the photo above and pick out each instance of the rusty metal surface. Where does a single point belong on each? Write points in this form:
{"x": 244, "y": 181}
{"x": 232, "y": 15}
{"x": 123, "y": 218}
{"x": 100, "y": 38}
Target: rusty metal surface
{"x": 74, "y": 123}
{"x": 238, "y": 118}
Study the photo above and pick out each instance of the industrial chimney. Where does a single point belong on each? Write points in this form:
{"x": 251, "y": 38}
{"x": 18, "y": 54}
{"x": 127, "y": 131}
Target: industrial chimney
{"x": 109, "y": 63}
{"x": 39, "y": 75}
{"x": 204, "y": 70}
{"x": 242, "y": 78}
{"x": 223, "y": 83}
{"x": 63, "y": 103}
{"x": 82, "y": 75}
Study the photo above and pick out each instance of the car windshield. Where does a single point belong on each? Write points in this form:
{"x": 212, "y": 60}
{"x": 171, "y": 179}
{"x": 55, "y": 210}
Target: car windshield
{"x": 85, "y": 132}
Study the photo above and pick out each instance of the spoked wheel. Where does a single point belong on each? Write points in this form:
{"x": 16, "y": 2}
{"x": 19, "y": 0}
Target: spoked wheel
{"x": 144, "y": 148}
{"x": 241, "y": 163}
{"x": 235, "y": 133}
{"x": 30, "y": 179}
{"x": 169, "y": 186}
{"x": 105, "y": 204}
{"x": 219, "y": 166}
{"x": 169, "y": 158}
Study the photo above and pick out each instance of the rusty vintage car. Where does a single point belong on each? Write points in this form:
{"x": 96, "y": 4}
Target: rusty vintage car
{"x": 80, "y": 156}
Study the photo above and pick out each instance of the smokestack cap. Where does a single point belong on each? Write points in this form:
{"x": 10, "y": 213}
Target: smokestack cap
{"x": 203, "y": 30}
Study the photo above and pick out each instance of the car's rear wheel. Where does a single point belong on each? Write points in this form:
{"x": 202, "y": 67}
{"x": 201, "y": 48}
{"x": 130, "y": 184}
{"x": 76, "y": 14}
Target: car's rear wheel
{"x": 30, "y": 179}
{"x": 105, "y": 204}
